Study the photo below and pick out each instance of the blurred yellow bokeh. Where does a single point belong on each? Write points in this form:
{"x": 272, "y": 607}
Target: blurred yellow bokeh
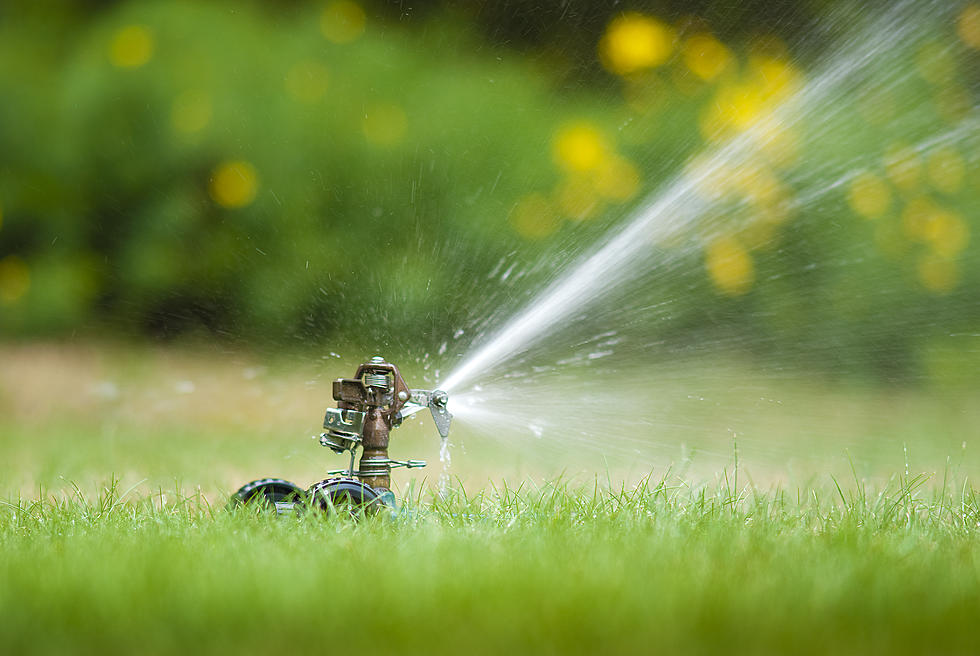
{"x": 938, "y": 274}
{"x": 935, "y": 63}
{"x": 15, "y": 279}
{"x": 968, "y": 25}
{"x": 946, "y": 169}
{"x": 307, "y": 81}
{"x": 730, "y": 266}
{"x": 617, "y": 179}
{"x": 917, "y": 215}
{"x": 342, "y": 21}
{"x": 384, "y": 124}
{"x": 131, "y": 46}
{"x": 775, "y": 78}
{"x": 577, "y": 198}
{"x": 903, "y": 166}
{"x": 191, "y": 112}
{"x": 534, "y": 217}
{"x": 234, "y": 184}
{"x": 741, "y": 105}
{"x": 634, "y": 42}
{"x": 706, "y": 56}
{"x": 579, "y": 146}
{"x": 946, "y": 233}
{"x": 752, "y": 102}
{"x": 869, "y": 195}
{"x": 759, "y": 183}
{"x": 595, "y": 172}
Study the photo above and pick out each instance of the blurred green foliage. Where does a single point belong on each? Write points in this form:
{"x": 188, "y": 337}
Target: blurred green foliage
{"x": 269, "y": 171}
{"x": 110, "y": 167}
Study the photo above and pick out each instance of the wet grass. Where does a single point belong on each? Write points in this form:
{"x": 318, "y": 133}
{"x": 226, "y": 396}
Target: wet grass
{"x": 150, "y": 562}
{"x": 556, "y": 568}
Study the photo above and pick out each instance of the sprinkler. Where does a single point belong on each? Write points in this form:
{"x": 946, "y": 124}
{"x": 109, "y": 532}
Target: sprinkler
{"x": 369, "y": 406}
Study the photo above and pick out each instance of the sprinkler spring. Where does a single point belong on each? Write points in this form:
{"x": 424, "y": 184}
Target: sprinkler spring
{"x": 369, "y": 406}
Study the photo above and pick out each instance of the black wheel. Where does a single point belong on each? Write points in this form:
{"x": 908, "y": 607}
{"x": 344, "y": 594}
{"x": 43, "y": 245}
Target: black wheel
{"x": 345, "y": 497}
{"x": 273, "y": 494}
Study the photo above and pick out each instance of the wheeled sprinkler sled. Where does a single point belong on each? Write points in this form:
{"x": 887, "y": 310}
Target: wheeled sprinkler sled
{"x": 369, "y": 405}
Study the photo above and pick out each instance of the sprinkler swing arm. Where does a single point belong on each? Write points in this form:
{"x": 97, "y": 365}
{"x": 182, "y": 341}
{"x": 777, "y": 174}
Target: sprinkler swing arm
{"x": 435, "y": 401}
{"x": 369, "y": 405}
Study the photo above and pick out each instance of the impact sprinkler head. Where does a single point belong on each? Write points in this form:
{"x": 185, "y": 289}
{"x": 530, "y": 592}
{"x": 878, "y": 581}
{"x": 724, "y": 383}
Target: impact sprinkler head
{"x": 369, "y": 406}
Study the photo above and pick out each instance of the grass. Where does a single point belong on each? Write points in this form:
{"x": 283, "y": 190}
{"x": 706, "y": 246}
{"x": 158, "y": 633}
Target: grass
{"x": 114, "y": 537}
{"x": 550, "y": 569}
{"x": 81, "y": 413}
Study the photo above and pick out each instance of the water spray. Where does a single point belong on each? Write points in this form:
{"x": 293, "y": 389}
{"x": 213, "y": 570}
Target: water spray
{"x": 369, "y": 405}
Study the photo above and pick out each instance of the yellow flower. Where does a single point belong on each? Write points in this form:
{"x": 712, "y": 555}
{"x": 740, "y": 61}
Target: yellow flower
{"x": 15, "y": 279}
{"x": 577, "y": 198}
{"x": 757, "y": 182}
{"x": 579, "y": 147}
{"x": 750, "y": 101}
{"x": 947, "y": 233}
{"x": 935, "y": 63}
{"x": 617, "y": 179}
{"x": 730, "y": 266}
{"x": 916, "y": 216}
{"x": 131, "y": 46}
{"x": 634, "y": 42}
{"x": 706, "y": 56}
{"x": 775, "y": 78}
{"x": 534, "y": 217}
{"x": 869, "y": 195}
{"x": 736, "y": 108}
{"x": 342, "y": 21}
{"x": 234, "y": 184}
{"x": 968, "y": 25}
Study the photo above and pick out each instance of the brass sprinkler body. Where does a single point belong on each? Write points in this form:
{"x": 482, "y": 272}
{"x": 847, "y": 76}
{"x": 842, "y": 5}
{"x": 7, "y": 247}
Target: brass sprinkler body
{"x": 369, "y": 406}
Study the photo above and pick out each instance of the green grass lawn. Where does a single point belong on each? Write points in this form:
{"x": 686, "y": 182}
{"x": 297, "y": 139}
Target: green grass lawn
{"x": 552, "y": 569}
{"x": 115, "y": 464}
